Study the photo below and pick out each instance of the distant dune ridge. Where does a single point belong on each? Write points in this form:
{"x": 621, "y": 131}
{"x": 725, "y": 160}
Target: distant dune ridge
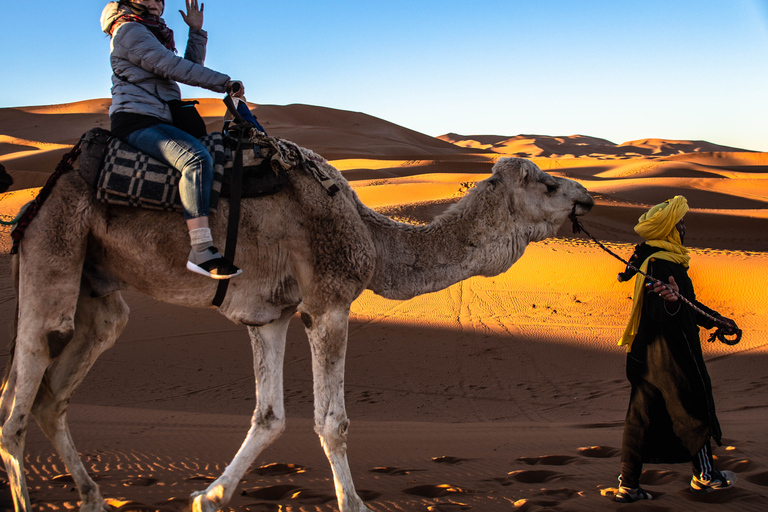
{"x": 496, "y": 394}
{"x": 528, "y": 146}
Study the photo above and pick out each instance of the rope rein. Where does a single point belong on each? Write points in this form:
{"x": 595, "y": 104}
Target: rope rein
{"x": 723, "y": 331}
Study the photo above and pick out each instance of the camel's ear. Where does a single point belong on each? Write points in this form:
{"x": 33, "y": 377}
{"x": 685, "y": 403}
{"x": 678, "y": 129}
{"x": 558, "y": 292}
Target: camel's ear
{"x": 515, "y": 170}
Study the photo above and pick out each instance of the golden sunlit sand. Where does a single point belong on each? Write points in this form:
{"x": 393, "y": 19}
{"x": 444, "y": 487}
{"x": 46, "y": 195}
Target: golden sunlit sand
{"x": 502, "y": 393}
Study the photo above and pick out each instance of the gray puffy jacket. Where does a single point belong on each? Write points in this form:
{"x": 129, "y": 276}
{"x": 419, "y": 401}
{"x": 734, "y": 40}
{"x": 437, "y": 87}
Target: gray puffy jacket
{"x": 144, "y": 70}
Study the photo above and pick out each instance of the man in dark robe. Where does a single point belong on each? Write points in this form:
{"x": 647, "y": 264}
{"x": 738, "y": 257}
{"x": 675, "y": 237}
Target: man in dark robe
{"x": 671, "y": 415}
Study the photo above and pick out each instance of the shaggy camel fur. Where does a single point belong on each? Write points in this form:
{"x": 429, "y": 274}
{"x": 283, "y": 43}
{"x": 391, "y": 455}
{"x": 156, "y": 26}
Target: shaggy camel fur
{"x": 300, "y": 250}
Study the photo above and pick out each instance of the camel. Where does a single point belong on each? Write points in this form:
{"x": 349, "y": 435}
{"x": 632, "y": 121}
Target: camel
{"x": 301, "y": 250}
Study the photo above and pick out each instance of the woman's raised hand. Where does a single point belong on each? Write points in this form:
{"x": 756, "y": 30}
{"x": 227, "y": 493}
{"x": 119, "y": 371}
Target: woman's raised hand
{"x": 194, "y": 16}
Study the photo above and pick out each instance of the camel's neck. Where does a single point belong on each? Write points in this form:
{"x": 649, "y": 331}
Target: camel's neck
{"x": 412, "y": 260}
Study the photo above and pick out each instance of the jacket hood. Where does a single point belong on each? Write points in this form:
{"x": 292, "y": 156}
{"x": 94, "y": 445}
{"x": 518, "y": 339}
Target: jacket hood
{"x": 108, "y": 16}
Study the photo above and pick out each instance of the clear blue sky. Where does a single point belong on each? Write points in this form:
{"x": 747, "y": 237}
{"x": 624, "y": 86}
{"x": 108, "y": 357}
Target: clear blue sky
{"x": 614, "y": 69}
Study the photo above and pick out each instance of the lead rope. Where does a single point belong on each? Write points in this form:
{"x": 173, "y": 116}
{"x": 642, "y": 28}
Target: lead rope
{"x": 719, "y": 334}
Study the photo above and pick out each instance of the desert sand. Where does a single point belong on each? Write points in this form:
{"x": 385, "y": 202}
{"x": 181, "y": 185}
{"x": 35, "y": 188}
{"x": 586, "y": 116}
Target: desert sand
{"x": 503, "y": 393}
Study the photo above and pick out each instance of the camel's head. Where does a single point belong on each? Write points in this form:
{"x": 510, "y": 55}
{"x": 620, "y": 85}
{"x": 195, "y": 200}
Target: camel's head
{"x": 542, "y": 202}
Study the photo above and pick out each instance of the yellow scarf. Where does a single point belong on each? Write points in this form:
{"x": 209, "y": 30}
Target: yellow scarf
{"x": 657, "y": 226}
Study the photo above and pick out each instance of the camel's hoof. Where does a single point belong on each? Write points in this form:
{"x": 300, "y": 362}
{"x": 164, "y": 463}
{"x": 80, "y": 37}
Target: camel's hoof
{"x": 96, "y": 505}
{"x": 202, "y": 502}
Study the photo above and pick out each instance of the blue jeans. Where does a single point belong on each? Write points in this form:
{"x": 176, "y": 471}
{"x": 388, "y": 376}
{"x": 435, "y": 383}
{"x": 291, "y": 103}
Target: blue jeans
{"x": 181, "y": 151}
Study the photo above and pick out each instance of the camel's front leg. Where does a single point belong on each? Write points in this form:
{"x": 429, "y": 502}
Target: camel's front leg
{"x": 268, "y": 421}
{"x": 327, "y": 334}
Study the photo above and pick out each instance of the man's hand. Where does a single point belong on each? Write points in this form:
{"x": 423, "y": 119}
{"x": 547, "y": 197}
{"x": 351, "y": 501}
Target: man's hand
{"x": 730, "y": 326}
{"x": 193, "y": 16}
{"x": 668, "y": 292}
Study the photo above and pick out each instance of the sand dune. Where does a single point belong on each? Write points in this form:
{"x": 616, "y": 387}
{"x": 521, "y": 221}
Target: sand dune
{"x": 496, "y": 394}
{"x": 528, "y": 146}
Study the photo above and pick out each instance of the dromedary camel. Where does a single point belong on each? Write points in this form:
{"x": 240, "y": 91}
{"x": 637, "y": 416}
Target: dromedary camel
{"x": 301, "y": 250}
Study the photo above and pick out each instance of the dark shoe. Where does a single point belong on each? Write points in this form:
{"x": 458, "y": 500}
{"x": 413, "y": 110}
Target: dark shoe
{"x": 211, "y": 263}
{"x": 718, "y": 480}
{"x": 627, "y": 495}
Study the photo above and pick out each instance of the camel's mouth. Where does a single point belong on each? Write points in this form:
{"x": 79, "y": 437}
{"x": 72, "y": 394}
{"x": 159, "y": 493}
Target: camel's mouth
{"x": 582, "y": 207}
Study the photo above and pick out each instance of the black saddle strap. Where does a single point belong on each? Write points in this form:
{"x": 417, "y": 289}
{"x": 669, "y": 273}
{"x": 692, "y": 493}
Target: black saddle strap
{"x": 234, "y": 217}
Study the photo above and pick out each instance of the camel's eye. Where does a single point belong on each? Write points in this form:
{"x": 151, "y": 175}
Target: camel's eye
{"x": 551, "y": 188}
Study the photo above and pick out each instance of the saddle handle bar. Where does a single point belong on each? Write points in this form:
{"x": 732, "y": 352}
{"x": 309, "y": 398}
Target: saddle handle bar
{"x": 231, "y": 104}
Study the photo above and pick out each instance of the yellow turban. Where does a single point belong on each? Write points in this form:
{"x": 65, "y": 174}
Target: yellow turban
{"x": 657, "y": 226}
{"x": 658, "y": 223}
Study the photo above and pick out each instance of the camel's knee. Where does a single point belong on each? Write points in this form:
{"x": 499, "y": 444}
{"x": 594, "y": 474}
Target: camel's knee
{"x": 269, "y": 422}
{"x": 103, "y": 318}
{"x": 12, "y": 434}
{"x": 333, "y": 432}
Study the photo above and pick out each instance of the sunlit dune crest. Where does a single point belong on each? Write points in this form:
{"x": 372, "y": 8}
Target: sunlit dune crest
{"x": 30, "y": 145}
{"x": 98, "y": 106}
{"x": 580, "y": 146}
{"x": 497, "y": 392}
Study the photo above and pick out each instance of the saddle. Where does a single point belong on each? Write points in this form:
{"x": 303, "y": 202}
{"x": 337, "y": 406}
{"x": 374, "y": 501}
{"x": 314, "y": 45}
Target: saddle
{"x": 247, "y": 163}
{"x": 123, "y": 175}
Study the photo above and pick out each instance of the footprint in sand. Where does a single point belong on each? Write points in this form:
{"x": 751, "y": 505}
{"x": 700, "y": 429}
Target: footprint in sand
{"x": 607, "y": 424}
{"x": 176, "y": 505}
{"x": 448, "y": 507}
{"x": 549, "y": 460}
{"x": 436, "y": 491}
{"x": 736, "y": 498}
{"x": 201, "y": 478}
{"x": 273, "y": 493}
{"x": 758, "y": 479}
{"x": 278, "y": 469}
{"x": 67, "y": 479}
{"x": 526, "y": 505}
{"x": 263, "y": 507}
{"x": 130, "y": 506}
{"x": 599, "y": 452}
{"x": 63, "y": 479}
{"x": 530, "y": 476}
{"x": 552, "y": 498}
{"x": 448, "y": 460}
{"x": 394, "y": 471}
{"x": 561, "y": 494}
{"x": 735, "y": 464}
{"x": 141, "y": 481}
{"x": 294, "y": 492}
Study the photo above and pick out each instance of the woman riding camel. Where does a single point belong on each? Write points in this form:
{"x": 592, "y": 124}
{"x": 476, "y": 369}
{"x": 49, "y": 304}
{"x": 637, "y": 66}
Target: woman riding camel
{"x": 145, "y": 71}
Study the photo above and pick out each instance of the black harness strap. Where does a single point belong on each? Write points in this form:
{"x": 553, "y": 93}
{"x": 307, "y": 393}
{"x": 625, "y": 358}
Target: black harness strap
{"x": 234, "y": 217}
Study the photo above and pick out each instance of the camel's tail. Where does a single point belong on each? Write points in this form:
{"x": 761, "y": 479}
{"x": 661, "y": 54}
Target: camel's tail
{"x": 14, "y": 321}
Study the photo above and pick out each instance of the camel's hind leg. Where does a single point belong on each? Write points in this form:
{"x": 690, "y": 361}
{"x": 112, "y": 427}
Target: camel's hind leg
{"x": 98, "y": 323}
{"x": 327, "y": 334}
{"x": 268, "y": 421}
{"x": 19, "y": 391}
{"x": 46, "y": 306}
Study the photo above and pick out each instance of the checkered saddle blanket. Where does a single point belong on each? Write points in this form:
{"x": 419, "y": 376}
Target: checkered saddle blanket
{"x": 133, "y": 178}
{"x": 123, "y": 175}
